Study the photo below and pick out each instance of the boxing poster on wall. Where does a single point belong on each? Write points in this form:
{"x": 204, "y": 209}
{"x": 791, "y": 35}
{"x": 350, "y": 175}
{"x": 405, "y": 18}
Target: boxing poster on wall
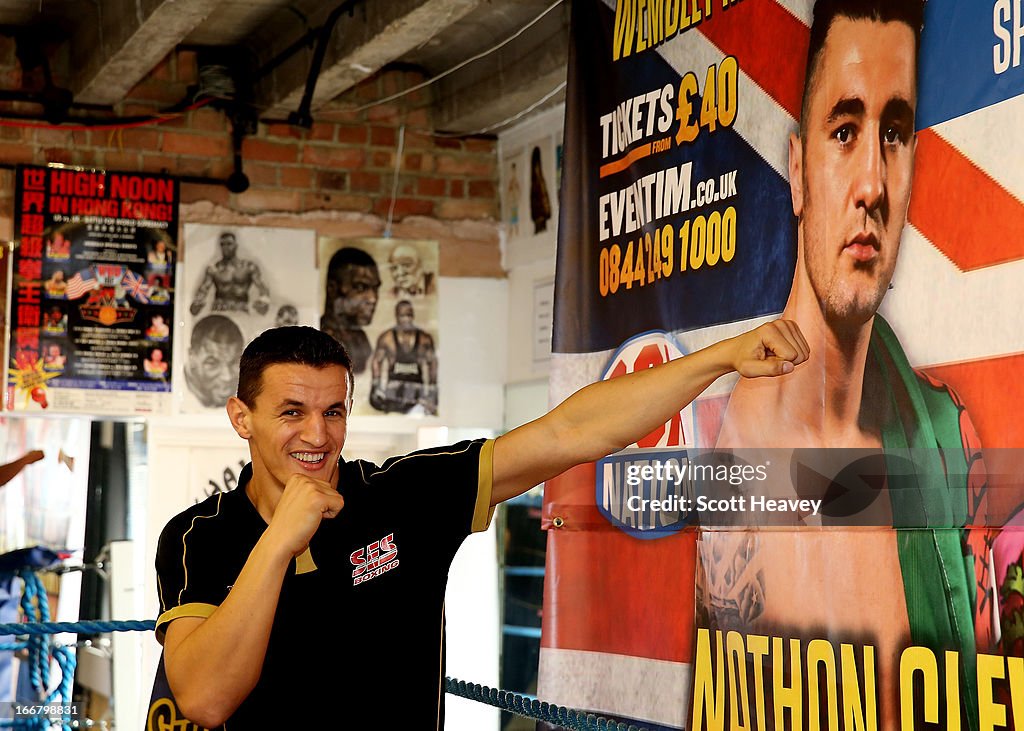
{"x": 93, "y": 291}
{"x": 379, "y": 300}
{"x": 530, "y": 187}
{"x": 238, "y": 281}
{"x": 707, "y": 189}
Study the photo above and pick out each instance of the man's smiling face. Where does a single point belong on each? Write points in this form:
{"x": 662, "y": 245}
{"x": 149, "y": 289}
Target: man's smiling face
{"x": 297, "y": 423}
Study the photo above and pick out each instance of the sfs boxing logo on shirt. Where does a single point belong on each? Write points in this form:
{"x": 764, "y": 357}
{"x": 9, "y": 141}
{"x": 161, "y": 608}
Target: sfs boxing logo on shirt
{"x": 377, "y": 558}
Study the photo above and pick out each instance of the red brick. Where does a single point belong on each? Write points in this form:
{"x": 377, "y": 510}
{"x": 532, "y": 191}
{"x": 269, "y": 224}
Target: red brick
{"x": 198, "y": 166}
{"x": 279, "y": 129}
{"x": 207, "y": 120}
{"x": 104, "y": 138}
{"x": 137, "y": 110}
{"x": 417, "y": 118}
{"x": 418, "y": 140}
{"x": 179, "y": 121}
{"x": 255, "y": 149}
{"x": 331, "y": 181}
{"x": 162, "y": 71}
{"x": 336, "y": 202}
{"x": 296, "y": 177}
{"x": 352, "y": 134}
{"x": 345, "y": 157}
{"x": 186, "y": 66}
{"x": 346, "y": 116}
{"x": 480, "y": 144}
{"x": 413, "y": 161}
{"x": 222, "y": 168}
{"x": 157, "y": 91}
{"x": 139, "y": 139}
{"x": 52, "y": 137}
{"x": 383, "y": 136}
{"x": 481, "y": 189}
{"x": 382, "y": 160}
{"x": 84, "y": 158}
{"x": 384, "y": 113}
{"x": 391, "y": 82}
{"x": 322, "y": 131}
{"x": 456, "y": 188}
{"x": 12, "y": 78}
{"x": 413, "y": 77}
{"x": 264, "y": 199}
{"x": 470, "y": 166}
{"x": 422, "y": 162}
{"x": 159, "y": 163}
{"x": 128, "y": 161}
{"x": 187, "y": 144}
{"x": 363, "y": 182}
{"x": 404, "y": 207}
{"x": 261, "y": 174}
{"x": 458, "y": 209}
{"x": 7, "y": 48}
{"x": 367, "y": 91}
{"x": 430, "y": 186}
{"x": 57, "y": 154}
{"x": 447, "y": 143}
{"x": 194, "y": 192}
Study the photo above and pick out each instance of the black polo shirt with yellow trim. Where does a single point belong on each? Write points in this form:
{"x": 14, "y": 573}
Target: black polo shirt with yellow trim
{"x": 358, "y": 636}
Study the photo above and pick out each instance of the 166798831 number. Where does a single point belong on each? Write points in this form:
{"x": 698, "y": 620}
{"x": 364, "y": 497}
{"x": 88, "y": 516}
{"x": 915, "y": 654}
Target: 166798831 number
{"x": 44, "y": 709}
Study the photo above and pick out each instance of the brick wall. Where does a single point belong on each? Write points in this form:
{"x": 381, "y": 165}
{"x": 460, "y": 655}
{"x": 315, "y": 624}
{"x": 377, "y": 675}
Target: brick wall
{"x": 336, "y": 178}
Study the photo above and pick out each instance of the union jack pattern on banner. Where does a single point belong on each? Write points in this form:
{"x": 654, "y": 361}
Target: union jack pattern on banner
{"x": 135, "y": 286}
{"x": 621, "y": 642}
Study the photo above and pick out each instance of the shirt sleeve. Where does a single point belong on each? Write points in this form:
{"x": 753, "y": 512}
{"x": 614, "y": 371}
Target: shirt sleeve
{"x": 447, "y": 487}
{"x": 189, "y": 584}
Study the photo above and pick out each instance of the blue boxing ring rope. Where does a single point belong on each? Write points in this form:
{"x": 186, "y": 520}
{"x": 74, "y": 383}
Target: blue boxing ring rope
{"x": 41, "y": 648}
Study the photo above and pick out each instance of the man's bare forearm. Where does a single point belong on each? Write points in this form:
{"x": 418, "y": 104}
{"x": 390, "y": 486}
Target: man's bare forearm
{"x": 10, "y": 470}
{"x": 604, "y": 417}
{"x": 217, "y": 662}
{"x": 213, "y": 664}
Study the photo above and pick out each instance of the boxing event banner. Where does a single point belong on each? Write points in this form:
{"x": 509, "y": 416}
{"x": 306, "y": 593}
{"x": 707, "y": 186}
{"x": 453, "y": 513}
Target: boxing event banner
{"x": 380, "y": 301}
{"x": 92, "y": 292}
{"x": 840, "y": 547}
{"x": 237, "y": 282}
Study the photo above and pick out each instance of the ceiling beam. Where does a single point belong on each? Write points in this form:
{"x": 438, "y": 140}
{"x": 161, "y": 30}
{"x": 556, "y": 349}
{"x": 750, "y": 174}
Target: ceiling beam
{"x": 516, "y": 76}
{"x": 377, "y": 34}
{"x": 125, "y": 43}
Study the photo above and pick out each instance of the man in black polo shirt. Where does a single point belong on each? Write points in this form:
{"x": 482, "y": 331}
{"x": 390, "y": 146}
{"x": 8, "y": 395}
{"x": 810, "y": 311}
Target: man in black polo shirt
{"x": 272, "y": 616}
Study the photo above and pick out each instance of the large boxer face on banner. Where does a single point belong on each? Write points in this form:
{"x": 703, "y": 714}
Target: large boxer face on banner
{"x": 851, "y": 173}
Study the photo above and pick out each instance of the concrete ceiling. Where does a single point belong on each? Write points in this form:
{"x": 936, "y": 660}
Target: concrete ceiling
{"x": 111, "y": 45}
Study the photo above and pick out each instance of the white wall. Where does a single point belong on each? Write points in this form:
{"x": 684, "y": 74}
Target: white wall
{"x": 528, "y": 257}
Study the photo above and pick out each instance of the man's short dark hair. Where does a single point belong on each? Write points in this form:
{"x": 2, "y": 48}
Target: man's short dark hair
{"x": 910, "y": 12}
{"x": 350, "y": 255}
{"x": 297, "y": 344}
{"x": 217, "y": 328}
